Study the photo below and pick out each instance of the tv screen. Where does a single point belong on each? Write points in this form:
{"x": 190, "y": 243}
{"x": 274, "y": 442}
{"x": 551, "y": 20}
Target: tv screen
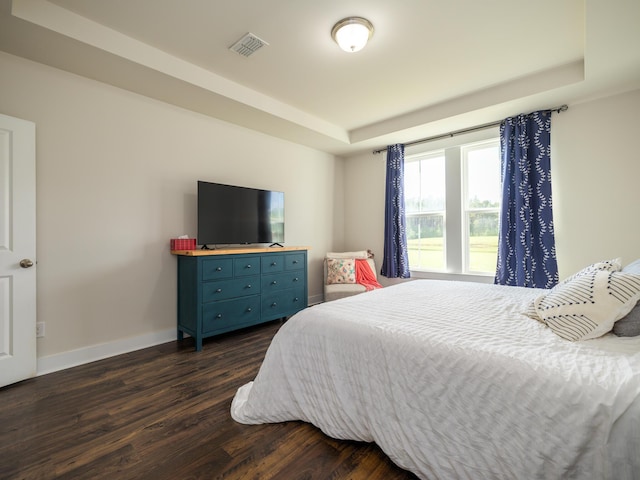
{"x": 229, "y": 214}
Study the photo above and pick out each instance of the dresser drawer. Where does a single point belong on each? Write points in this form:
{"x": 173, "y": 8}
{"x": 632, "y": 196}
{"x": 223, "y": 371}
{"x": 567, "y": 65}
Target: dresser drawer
{"x": 285, "y": 302}
{"x": 229, "y": 314}
{"x": 225, "y": 289}
{"x": 294, "y": 261}
{"x": 221, "y": 291}
{"x": 244, "y": 266}
{"x": 272, "y": 263}
{"x": 217, "y": 268}
{"x": 281, "y": 281}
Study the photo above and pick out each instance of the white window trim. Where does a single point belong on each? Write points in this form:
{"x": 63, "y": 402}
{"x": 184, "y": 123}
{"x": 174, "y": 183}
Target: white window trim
{"x": 464, "y": 211}
{"x": 454, "y": 197}
{"x": 467, "y": 277}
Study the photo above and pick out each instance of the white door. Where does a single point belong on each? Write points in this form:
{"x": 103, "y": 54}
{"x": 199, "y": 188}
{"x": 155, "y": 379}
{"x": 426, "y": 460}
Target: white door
{"x": 17, "y": 250}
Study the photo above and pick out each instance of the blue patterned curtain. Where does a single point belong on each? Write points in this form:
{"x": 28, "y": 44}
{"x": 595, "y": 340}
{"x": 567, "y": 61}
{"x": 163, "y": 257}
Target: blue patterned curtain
{"x": 395, "y": 263}
{"x": 526, "y": 245}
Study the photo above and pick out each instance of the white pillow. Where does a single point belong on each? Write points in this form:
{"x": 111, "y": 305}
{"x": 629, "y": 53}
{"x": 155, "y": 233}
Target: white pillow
{"x": 613, "y": 265}
{"x": 633, "y": 267}
{"x": 588, "y": 304}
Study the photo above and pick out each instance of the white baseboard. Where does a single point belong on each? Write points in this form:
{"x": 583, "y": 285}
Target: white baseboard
{"x": 73, "y": 358}
{"x": 315, "y": 299}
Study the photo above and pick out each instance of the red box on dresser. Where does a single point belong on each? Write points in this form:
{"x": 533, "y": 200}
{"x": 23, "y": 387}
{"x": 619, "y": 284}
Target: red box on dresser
{"x": 183, "y": 244}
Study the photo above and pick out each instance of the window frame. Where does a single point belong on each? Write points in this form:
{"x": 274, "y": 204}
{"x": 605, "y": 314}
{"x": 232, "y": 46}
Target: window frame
{"x": 432, "y": 154}
{"x": 465, "y": 210}
{"x": 455, "y": 223}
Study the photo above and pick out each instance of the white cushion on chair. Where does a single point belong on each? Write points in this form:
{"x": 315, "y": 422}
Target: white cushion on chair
{"x": 336, "y": 291}
{"x": 341, "y": 290}
{"x": 358, "y": 254}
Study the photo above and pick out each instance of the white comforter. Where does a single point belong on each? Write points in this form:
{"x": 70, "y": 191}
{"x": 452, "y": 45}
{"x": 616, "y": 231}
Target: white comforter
{"x": 452, "y": 381}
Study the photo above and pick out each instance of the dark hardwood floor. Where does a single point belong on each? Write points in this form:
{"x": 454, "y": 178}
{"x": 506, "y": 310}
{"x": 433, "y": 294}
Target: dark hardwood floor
{"x": 163, "y": 413}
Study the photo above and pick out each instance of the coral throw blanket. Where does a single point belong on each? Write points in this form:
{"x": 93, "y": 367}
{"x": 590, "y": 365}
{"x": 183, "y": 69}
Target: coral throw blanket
{"x": 365, "y": 276}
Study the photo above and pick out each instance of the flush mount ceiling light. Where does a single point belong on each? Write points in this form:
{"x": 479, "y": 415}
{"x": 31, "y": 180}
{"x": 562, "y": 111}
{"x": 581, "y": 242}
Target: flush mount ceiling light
{"x": 352, "y": 33}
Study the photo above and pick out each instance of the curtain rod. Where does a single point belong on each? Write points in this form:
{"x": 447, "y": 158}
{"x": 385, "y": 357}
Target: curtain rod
{"x": 484, "y": 126}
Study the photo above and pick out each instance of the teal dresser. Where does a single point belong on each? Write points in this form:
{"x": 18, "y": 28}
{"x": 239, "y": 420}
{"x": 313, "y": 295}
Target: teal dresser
{"x": 224, "y": 290}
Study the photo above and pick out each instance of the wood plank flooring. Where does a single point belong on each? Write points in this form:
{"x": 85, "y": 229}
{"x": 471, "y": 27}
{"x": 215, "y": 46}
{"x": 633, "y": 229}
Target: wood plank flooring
{"x": 163, "y": 413}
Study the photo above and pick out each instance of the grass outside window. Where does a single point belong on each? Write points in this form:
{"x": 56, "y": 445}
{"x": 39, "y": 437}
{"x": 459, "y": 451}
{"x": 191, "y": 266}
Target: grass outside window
{"x": 429, "y": 254}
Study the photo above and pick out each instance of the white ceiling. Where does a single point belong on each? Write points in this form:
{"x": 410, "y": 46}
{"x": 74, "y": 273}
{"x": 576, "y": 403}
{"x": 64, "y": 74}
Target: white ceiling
{"x": 432, "y": 66}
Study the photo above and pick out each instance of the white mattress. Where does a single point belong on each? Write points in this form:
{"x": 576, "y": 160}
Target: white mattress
{"x": 451, "y": 380}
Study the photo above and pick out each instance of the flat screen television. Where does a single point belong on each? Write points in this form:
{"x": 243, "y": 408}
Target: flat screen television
{"x": 229, "y": 214}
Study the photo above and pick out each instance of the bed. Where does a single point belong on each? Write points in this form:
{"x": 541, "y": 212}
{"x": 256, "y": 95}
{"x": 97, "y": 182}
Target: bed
{"x": 453, "y": 381}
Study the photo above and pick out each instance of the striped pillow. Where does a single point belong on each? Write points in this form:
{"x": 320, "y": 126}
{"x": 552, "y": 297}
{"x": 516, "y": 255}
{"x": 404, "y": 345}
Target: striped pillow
{"x": 613, "y": 265}
{"x": 588, "y": 304}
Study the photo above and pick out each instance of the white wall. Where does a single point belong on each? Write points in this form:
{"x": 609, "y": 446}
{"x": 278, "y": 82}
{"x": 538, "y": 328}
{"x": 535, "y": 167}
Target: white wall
{"x": 364, "y": 178}
{"x": 596, "y": 189}
{"x": 116, "y": 179}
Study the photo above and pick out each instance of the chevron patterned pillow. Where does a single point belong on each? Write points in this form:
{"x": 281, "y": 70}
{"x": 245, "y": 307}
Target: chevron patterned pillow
{"x": 613, "y": 265}
{"x": 588, "y": 304}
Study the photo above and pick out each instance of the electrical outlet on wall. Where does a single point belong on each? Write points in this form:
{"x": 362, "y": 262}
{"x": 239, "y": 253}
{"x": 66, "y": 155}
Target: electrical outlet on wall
{"x": 39, "y": 329}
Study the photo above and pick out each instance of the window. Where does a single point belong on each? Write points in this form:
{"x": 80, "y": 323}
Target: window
{"x": 452, "y": 204}
{"x": 425, "y": 210}
{"x": 481, "y": 190}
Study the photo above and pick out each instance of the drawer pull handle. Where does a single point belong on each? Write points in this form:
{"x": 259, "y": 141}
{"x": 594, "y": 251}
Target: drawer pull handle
{"x": 274, "y": 304}
{"x": 295, "y": 262}
{"x": 248, "y": 286}
{"x": 218, "y": 290}
{"x": 274, "y": 282}
{"x": 273, "y": 264}
{"x": 249, "y": 309}
{"x": 219, "y": 315}
{"x": 249, "y": 266}
{"x": 295, "y": 279}
{"x": 219, "y": 269}
{"x": 295, "y": 299}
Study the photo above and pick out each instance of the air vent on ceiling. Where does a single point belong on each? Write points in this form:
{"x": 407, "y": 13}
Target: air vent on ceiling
{"x": 248, "y": 45}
